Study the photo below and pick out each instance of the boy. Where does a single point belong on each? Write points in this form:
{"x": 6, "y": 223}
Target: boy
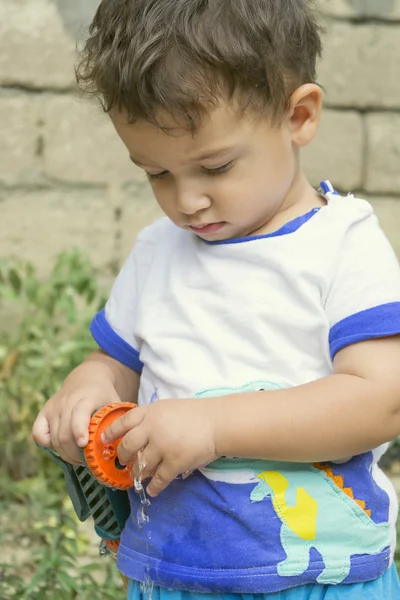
{"x": 260, "y": 320}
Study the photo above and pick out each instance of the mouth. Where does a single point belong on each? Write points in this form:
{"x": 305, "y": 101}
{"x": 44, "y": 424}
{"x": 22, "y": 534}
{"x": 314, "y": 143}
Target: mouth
{"x": 208, "y": 228}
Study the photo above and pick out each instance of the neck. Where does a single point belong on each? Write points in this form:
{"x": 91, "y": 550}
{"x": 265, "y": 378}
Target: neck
{"x": 300, "y": 199}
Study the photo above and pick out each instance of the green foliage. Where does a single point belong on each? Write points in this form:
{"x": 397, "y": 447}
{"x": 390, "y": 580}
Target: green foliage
{"x": 55, "y": 571}
{"x": 46, "y": 547}
{"x": 392, "y": 456}
{"x": 50, "y": 339}
{"x": 397, "y": 555}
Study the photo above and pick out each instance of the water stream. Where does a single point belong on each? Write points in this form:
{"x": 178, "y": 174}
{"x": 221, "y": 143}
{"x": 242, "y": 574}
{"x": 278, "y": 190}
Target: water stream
{"x": 142, "y": 519}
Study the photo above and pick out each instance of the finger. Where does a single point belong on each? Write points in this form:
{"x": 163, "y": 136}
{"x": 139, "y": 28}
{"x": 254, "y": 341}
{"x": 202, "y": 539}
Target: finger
{"x": 162, "y": 478}
{"x": 130, "y": 445}
{"x": 121, "y": 426}
{"x": 74, "y": 458}
{"x": 80, "y": 419}
{"x": 41, "y": 431}
{"x": 54, "y": 435}
{"x": 68, "y": 448}
{"x": 58, "y": 445}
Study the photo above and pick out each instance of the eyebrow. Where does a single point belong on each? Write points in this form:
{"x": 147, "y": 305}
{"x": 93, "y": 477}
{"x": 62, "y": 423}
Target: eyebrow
{"x": 204, "y": 156}
{"x": 211, "y": 153}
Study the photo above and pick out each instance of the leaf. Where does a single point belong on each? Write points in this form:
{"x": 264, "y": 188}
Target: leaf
{"x": 8, "y": 365}
{"x": 37, "y": 354}
{"x": 15, "y": 281}
{"x": 67, "y": 583}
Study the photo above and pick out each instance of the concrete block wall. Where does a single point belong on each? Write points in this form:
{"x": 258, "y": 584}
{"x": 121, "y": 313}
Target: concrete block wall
{"x": 358, "y": 145}
{"x": 66, "y": 180}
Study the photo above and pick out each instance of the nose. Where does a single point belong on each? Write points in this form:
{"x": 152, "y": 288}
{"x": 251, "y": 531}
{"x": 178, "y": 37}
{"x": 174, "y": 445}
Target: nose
{"x": 189, "y": 201}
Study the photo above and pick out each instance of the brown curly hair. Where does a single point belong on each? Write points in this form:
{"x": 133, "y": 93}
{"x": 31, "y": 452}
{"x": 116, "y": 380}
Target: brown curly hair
{"x": 182, "y": 56}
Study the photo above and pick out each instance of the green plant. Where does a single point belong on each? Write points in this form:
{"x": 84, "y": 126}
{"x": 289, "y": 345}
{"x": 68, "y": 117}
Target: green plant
{"x": 397, "y": 555}
{"x": 56, "y": 570}
{"x": 49, "y": 336}
{"x": 392, "y": 455}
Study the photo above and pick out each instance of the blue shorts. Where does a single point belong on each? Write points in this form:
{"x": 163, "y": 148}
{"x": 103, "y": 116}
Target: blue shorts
{"x": 386, "y": 587}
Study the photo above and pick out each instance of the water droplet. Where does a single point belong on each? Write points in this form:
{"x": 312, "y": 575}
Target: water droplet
{"x": 142, "y": 518}
{"x": 108, "y": 452}
{"x": 138, "y": 485}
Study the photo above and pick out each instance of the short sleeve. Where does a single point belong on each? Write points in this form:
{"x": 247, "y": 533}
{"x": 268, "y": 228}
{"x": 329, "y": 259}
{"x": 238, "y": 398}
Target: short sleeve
{"x": 113, "y": 328}
{"x": 364, "y": 298}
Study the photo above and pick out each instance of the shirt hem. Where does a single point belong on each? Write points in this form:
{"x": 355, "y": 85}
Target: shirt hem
{"x": 251, "y": 580}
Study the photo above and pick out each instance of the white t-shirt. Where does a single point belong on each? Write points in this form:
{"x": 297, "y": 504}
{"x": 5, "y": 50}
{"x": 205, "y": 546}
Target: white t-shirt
{"x": 201, "y": 318}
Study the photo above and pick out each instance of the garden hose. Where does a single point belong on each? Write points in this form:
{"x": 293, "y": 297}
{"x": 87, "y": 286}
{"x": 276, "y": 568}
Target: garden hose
{"x": 97, "y": 488}
{"x": 102, "y": 459}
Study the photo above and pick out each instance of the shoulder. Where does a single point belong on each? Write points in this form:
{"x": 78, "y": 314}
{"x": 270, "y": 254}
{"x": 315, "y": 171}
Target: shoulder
{"x": 351, "y": 225}
{"x": 348, "y": 209}
{"x": 345, "y": 217}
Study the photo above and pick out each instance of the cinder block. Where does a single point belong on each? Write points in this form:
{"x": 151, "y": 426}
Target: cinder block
{"x": 383, "y": 153}
{"x": 42, "y": 223}
{"x": 20, "y": 144}
{"x": 81, "y": 145}
{"x": 360, "y": 66}
{"x": 337, "y": 151}
{"x": 382, "y": 9}
{"x": 36, "y": 48}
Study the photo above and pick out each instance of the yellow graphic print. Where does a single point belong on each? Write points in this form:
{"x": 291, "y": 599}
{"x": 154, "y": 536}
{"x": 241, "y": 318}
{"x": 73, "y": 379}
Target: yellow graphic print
{"x": 316, "y": 508}
{"x": 301, "y": 518}
{"x": 309, "y": 500}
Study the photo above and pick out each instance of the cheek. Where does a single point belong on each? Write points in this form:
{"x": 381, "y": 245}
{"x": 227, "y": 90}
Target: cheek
{"x": 279, "y": 161}
{"x": 164, "y": 196}
{"x": 271, "y": 177}
{"x": 277, "y": 172}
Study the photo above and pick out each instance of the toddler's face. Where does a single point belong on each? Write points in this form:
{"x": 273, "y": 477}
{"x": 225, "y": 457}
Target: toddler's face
{"x": 226, "y": 181}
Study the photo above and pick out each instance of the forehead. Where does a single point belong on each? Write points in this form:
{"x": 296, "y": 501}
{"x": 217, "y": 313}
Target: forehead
{"x": 218, "y": 132}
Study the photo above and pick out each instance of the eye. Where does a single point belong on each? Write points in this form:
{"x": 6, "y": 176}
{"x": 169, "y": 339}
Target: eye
{"x": 153, "y": 176}
{"x": 219, "y": 170}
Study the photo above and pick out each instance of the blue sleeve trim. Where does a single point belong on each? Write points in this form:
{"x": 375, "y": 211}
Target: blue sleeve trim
{"x": 377, "y": 322}
{"x": 113, "y": 344}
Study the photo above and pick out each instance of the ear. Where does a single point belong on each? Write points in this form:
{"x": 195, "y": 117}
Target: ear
{"x": 305, "y": 113}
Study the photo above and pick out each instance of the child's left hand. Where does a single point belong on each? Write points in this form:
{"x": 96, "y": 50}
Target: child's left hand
{"x": 174, "y": 436}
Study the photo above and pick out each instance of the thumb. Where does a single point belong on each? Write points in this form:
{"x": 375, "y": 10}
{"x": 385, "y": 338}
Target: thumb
{"x": 41, "y": 431}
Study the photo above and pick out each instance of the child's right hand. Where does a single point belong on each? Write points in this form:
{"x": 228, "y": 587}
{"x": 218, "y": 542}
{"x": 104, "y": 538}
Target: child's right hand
{"x": 63, "y": 422}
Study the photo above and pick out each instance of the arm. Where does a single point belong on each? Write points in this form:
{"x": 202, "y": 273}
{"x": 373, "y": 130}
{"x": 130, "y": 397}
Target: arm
{"x": 63, "y": 422}
{"x": 99, "y": 365}
{"x": 108, "y": 375}
{"x": 351, "y": 411}
{"x": 355, "y": 409}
